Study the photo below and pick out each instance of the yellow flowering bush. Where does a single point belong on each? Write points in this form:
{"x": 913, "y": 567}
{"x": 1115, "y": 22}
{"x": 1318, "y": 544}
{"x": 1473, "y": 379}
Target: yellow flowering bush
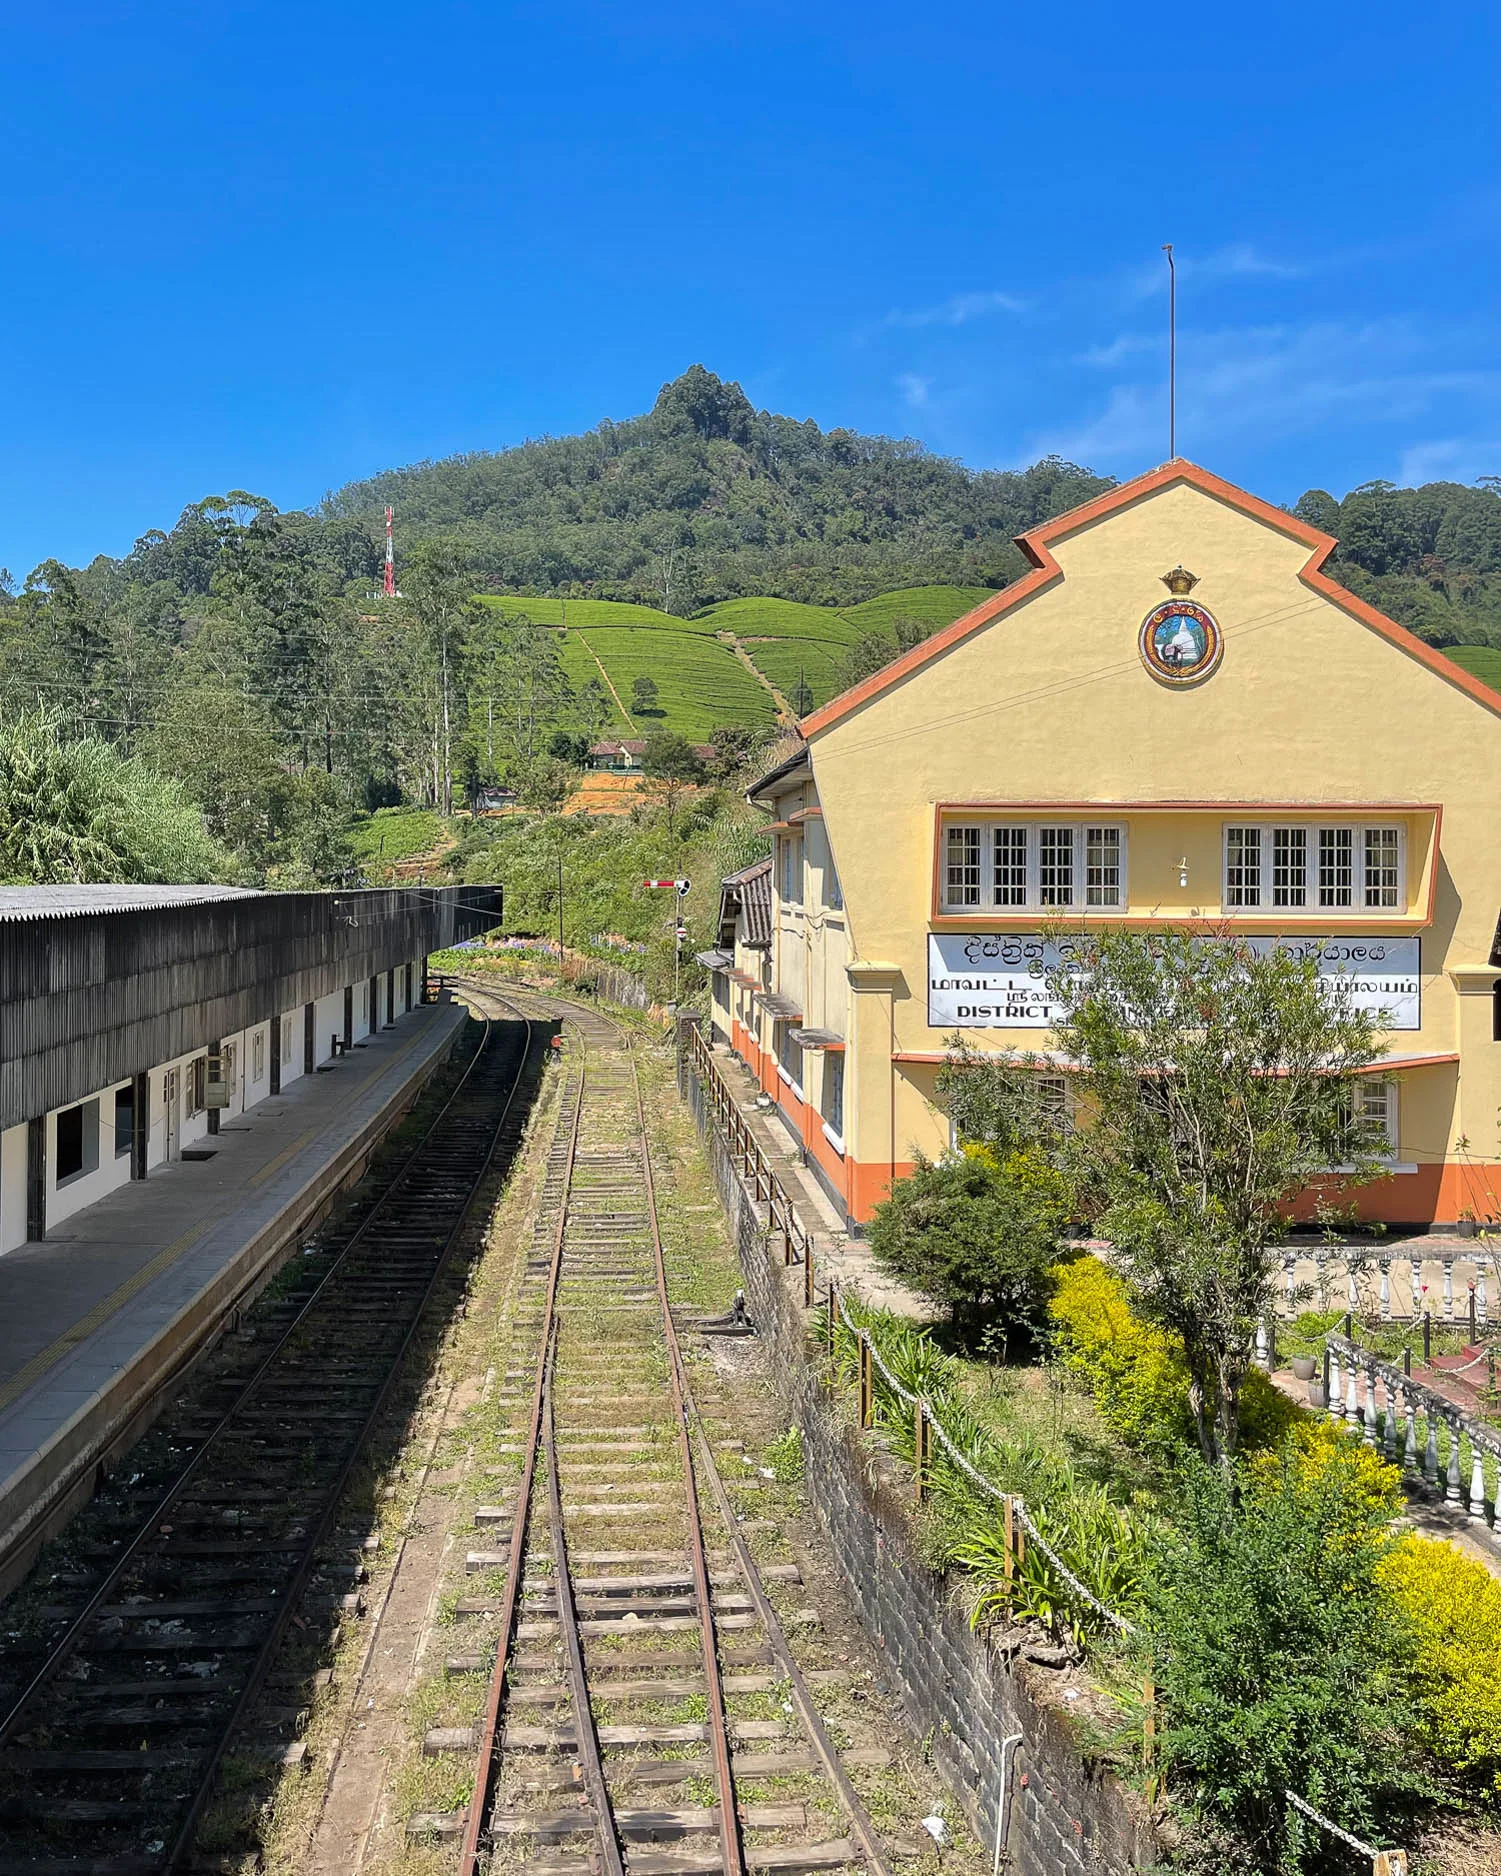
{"x": 1454, "y": 1607}
{"x": 1133, "y": 1370}
{"x": 1136, "y": 1371}
{"x": 1372, "y": 1490}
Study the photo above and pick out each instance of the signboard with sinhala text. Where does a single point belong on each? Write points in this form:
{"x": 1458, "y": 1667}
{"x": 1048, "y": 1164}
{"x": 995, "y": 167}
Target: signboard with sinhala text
{"x": 998, "y": 980}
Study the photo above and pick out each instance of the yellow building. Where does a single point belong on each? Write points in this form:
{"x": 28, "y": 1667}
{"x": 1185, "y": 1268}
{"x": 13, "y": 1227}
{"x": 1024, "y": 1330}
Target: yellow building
{"x": 1175, "y": 718}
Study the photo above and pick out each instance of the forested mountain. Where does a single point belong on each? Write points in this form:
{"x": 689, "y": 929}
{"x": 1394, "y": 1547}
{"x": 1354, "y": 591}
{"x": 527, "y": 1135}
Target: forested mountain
{"x": 1429, "y": 557}
{"x": 242, "y": 652}
{"x": 706, "y": 498}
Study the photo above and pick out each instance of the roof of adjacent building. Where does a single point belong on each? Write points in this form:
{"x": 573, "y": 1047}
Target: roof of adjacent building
{"x": 748, "y": 892}
{"x": 23, "y": 902}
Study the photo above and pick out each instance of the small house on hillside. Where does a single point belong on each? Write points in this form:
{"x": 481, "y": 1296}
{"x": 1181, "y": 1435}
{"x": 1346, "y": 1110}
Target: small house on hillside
{"x": 617, "y": 758}
{"x": 630, "y": 758}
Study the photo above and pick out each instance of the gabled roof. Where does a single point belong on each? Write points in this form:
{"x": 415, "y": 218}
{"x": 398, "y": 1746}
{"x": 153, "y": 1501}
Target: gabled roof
{"x": 1036, "y": 544}
{"x": 748, "y": 892}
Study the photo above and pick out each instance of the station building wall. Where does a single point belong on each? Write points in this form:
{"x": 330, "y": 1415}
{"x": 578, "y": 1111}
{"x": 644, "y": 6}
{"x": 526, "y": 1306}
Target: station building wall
{"x": 1040, "y": 714}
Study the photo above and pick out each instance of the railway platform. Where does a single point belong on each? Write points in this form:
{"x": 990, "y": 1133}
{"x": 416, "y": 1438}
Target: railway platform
{"x": 99, "y": 1315}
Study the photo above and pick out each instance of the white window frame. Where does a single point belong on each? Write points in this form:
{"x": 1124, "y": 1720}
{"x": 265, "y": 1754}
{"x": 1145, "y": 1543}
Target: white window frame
{"x": 834, "y": 1135}
{"x": 791, "y": 881}
{"x": 1079, "y": 833}
{"x": 1390, "y": 1120}
{"x": 1312, "y": 906}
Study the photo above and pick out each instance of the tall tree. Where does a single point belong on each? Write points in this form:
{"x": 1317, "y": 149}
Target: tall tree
{"x": 1214, "y": 1083}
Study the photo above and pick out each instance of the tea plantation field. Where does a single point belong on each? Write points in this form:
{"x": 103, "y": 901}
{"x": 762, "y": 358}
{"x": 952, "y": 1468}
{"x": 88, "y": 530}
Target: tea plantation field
{"x": 700, "y": 679}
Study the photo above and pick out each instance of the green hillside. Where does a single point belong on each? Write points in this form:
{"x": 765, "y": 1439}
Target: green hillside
{"x": 701, "y": 681}
{"x": 934, "y": 605}
{"x": 1482, "y": 661}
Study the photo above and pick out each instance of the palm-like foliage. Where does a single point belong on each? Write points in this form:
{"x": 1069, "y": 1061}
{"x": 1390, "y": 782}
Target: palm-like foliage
{"x": 79, "y": 812}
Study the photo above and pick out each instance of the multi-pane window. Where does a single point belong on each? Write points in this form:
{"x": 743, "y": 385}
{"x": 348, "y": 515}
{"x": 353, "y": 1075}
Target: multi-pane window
{"x": 991, "y": 866}
{"x": 1102, "y": 866}
{"x": 962, "y": 870}
{"x": 1242, "y": 866}
{"x": 1383, "y": 862}
{"x": 1055, "y": 866}
{"x": 1303, "y": 869}
{"x": 790, "y": 1055}
{"x": 1336, "y": 865}
{"x": 1009, "y": 846}
{"x": 792, "y": 871}
{"x": 1374, "y": 1115}
{"x": 1289, "y": 866}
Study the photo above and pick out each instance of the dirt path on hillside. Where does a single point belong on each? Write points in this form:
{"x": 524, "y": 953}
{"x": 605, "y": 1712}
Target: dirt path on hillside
{"x": 608, "y": 685}
{"x": 785, "y": 711}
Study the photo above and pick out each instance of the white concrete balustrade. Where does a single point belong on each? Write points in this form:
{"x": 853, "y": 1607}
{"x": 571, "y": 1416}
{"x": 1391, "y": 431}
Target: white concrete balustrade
{"x": 1398, "y": 1285}
{"x": 1432, "y": 1440}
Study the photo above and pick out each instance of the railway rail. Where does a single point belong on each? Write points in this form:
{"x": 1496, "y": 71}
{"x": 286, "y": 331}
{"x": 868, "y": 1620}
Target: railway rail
{"x": 671, "y": 1612}
{"x": 121, "y": 1696}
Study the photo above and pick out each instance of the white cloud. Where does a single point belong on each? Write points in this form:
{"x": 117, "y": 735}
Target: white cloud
{"x": 914, "y": 389}
{"x": 959, "y": 310}
{"x": 1239, "y": 261}
{"x": 1283, "y": 381}
{"x": 1454, "y": 459}
{"x": 1123, "y": 348}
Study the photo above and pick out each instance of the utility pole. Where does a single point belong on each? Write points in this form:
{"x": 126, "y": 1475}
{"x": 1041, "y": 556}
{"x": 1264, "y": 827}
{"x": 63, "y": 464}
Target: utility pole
{"x": 390, "y": 557}
{"x": 560, "y": 911}
{"x": 1172, "y": 352}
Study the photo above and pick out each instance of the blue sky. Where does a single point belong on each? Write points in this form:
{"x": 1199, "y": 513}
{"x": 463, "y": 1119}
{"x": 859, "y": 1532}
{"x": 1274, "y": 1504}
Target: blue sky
{"x": 274, "y": 248}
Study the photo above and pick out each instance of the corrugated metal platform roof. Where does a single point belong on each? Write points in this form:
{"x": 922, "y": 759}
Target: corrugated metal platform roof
{"x": 28, "y": 902}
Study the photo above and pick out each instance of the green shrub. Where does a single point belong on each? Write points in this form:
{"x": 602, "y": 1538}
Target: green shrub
{"x": 1136, "y": 1371}
{"x": 1453, "y": 1606}
{"x": 1281, "y": 1660}
{"x": 977, "y": 1238}
{"x": 1099, "y": 1542}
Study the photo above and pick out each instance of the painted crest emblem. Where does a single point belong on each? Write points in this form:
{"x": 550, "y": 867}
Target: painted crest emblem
{"x": 1180, "y": 641}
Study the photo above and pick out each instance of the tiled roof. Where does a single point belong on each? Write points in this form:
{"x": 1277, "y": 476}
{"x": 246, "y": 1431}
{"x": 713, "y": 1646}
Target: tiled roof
{"x": 750, "y": 891}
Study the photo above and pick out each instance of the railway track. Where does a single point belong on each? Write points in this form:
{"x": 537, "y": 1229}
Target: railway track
{"x": 124, "y": 1692}
{"x": 641, "y": 1682}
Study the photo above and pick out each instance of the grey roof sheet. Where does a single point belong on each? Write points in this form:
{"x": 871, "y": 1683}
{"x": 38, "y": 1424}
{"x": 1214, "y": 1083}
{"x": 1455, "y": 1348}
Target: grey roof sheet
{"x": 750, "y": 889}
{"x": 31, "y": 902}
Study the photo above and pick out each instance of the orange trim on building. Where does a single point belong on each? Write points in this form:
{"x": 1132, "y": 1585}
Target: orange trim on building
{"x": 1035, "y": 544}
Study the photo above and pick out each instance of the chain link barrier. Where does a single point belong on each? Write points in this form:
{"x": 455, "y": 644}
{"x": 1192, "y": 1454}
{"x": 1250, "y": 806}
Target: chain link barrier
{"x": 986, "y": 1485}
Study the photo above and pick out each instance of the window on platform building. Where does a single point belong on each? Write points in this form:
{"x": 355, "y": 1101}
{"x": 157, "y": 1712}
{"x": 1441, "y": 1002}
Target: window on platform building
{"x": 833, "y": 1092}
{"x": 258, "y": 1056}
{"x": 1000, "y": 866}
{"x": 1299, "y": 868}
{"x": 195, "y": 1086}
{"x": 125, "y": 1118}
{"x": 77, "y": 1144}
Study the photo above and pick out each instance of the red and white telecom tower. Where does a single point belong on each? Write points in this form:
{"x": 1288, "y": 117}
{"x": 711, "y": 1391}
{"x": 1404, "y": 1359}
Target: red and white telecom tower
{"x": 390, "y": 558}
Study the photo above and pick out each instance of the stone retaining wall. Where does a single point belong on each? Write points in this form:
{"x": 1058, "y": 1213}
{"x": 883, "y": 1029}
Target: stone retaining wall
{"x": 1067, "y": 1816}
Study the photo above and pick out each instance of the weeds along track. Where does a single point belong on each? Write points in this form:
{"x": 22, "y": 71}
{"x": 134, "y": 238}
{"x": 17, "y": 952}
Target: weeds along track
{"x": 639, "y": 1680}
{"x": 128, "y": 1676}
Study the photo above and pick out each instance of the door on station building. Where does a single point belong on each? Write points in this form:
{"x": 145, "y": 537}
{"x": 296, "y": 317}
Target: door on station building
{"x": 172, "y": 1115}
{"x": 228, "y": 1054}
